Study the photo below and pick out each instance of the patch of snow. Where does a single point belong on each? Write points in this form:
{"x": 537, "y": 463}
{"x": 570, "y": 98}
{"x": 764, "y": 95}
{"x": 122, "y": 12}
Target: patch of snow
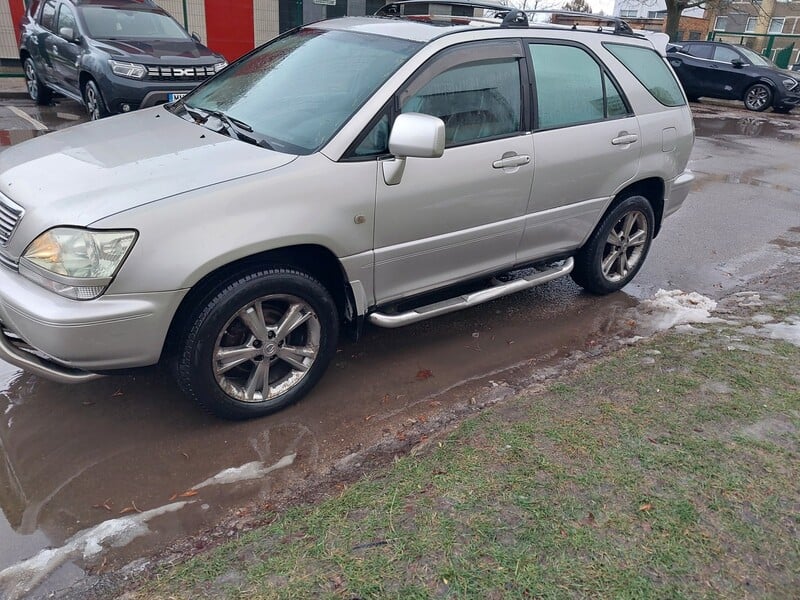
{"x": 762, "y": 319}
{"x": 668, "y": 308}
{"x": 248, "y": 471}
{"x": 788, "y": 331}
{"x": 19, "y": 579}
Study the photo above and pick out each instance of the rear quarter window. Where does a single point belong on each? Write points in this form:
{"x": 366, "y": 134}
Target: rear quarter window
{"x": 652, "y": 72}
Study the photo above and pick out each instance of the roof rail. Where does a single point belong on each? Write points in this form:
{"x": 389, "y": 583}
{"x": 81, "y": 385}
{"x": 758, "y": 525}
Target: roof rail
{"x": 510, "y": 16}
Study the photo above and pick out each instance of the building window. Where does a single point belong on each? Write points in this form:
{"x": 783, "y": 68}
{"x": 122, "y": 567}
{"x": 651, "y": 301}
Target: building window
{"x": 751, "y": 25}
{"x": 776, "y": 25}
{"x": 656, "y": 14}
{"x": 721, "y": 24}
{"x": 694, "y": 35}
{"x": 628, "y": 14}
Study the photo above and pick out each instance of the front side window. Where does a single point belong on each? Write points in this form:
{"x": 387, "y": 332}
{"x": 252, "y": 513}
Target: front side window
{"x": 48, "y": 15}
{"x": 106, "y": 23}
{"x": 476, "y": 101}
{"x": 652, "y": 72}
{"x": 66, "y": 19}
{"x": 725, "y": 54}
{"x": 296, "y": 92}
{"x": 571, "y": 87}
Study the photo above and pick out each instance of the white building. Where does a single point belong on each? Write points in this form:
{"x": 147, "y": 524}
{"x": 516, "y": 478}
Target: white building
{"x": 648, "y": 9}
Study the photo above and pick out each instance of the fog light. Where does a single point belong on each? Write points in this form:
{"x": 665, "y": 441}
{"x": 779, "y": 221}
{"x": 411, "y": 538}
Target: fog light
{"x": 126, "y": 108}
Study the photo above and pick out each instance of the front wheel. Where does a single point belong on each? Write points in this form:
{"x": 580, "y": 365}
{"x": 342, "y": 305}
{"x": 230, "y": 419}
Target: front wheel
{"x": 758, "y": 97}
{"x": 93, "y": 100}
{"x": 616, "y": 250}
{"x": 260, "y": 344}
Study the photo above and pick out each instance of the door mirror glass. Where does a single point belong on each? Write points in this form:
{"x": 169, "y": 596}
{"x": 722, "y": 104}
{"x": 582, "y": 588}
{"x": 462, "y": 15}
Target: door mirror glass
{"x": 417, "y": 135}
{"x": 68, "y": 33}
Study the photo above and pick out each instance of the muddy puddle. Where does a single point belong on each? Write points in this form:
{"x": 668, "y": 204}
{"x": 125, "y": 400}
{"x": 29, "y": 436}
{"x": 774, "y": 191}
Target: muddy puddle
{"x": 746, "y": 126}
{"x": 74, "y": 457}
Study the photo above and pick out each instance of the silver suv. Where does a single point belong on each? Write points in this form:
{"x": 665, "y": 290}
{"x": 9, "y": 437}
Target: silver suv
{"x": 341, "y": 173}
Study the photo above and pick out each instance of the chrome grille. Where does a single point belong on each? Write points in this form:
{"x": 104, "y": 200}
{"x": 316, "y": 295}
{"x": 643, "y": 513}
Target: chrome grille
{"x": 5, "y": 261}
{"x": 10, "y": 215}
{"x": 175, "y": 73}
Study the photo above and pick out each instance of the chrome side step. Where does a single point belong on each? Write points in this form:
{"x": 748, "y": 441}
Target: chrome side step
{"x": 31, "y": 363}
{"x": 497, "y": 290}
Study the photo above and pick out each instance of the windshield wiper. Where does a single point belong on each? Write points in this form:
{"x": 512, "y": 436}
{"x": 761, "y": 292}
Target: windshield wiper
{"x": 232, "y": 126}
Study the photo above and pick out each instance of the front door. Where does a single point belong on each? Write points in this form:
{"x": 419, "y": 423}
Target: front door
{"x": 65, "y": 53}
{"x": 460, "y": 215}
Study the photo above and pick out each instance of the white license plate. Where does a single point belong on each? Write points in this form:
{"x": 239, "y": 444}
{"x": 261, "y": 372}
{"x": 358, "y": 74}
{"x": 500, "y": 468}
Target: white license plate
{"x": 173, "y": 97}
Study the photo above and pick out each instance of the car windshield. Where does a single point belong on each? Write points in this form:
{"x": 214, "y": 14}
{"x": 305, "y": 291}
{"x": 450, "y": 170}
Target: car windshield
{"x": 757, "y": 59}
{"x": 296, "y": 92}
{"x": 114, "y": 23}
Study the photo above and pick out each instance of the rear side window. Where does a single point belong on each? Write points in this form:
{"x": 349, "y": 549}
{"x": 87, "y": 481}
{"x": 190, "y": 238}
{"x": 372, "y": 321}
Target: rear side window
{"x": 651, "y": 71}
{"x": 571, "y": 88}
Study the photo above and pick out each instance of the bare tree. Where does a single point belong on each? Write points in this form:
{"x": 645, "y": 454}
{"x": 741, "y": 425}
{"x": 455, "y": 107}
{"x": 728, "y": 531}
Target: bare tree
{"x": 578, "y": 6}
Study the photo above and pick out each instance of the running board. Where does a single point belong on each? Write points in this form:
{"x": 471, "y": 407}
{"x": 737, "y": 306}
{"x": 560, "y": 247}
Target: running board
{"x": 497, "y": 290}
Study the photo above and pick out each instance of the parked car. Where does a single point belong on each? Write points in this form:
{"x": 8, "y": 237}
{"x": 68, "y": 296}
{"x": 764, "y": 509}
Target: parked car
{"x": 113, "y": 56}
{"x": 732, "y": 72}
{"x": 353, "y": 170}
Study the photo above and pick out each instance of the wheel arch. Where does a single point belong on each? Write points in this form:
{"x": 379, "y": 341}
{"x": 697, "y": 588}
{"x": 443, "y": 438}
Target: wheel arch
{"x": 651, "y": 188}
{"x": 316, "y": 260}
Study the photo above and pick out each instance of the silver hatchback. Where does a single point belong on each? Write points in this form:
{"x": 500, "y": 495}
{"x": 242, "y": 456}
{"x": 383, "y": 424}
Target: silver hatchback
{"x": 342, "y": 173}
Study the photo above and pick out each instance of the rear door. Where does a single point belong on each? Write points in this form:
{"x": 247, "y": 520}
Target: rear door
{"x": 692, "y": 65}
{"x": 586, "y": 146}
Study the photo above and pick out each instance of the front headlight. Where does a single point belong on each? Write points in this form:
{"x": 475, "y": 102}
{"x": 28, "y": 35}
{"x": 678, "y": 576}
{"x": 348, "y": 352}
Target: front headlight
{"x": 76, "y": 263}
{"x": 789, "y": 83}
{"x": 219, "y": 66}
{"x": 127, "y": 69}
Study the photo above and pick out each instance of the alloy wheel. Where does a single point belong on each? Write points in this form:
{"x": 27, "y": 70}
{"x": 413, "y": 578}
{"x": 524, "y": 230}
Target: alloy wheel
{"x": 624, "y": 246}
{"x": 31, "y": 80}
{"x": 266, "y": 348}
{"x": 757, "y": 97}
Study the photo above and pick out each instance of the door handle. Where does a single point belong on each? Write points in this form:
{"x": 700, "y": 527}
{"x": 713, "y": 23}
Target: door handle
{"x": 509, "y": 162}
{"x": 625, "y": 139}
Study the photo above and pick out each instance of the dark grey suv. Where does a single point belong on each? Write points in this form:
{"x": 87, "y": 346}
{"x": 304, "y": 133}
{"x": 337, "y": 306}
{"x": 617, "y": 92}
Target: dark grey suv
{"x": 113, "y": 56}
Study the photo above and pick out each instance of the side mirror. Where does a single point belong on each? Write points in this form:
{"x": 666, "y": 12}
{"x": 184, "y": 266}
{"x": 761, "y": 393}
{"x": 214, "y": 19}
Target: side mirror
{"x": 417, "y": 135}
{"x": 737, "y": 63}
{"x": 68, "y": 33}
{"x": 196, "y": 37}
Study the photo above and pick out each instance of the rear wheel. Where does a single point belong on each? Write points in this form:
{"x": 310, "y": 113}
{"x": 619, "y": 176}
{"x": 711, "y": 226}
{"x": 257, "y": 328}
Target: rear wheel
{"x": 38, "y": 92}
{"x": 616, "y": 250}
{"x": 783, "y": 110}
{"x": 93, "y": 100}
{"x": 260, "y": 344}
{"x": 758, "y": 97}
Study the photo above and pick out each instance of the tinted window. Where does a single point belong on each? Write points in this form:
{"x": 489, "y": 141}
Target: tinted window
{"x": 699, "y": 50}
{"x": 725, "y": 54}
{"x": 569, "y": 87}
{"x": 298, "y": 90}
{"x": 111, "y": 23}
{"x": 651, "y": 70}
{"x": 476, "y": 100}
{"x": 376, "y": 142}
{"x": 48, "y": 15}
{"x": 66, "y": 19}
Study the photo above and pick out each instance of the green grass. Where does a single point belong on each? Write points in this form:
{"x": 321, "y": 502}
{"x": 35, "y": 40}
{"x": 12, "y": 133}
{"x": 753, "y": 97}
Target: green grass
{"x": 625, "y": 481}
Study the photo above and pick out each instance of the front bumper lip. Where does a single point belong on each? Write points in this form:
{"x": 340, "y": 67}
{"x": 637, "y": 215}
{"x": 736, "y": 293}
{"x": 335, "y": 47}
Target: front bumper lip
{"x": 15, "y": 355}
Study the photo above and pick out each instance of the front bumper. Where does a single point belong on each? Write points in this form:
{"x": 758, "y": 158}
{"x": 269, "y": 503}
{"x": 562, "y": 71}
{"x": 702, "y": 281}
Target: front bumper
{"x": 62, "y": 339}
{"x": 119, "y": 91}
{"x": 677, "y": 191}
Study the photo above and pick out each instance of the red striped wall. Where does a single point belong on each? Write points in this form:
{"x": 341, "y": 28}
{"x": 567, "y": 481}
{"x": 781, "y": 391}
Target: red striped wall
{"x": 229, "y": 27}
{"x": 17, "y": 12}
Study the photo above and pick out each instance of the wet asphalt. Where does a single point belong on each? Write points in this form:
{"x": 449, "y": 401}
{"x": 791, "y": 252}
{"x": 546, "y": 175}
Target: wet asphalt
{"x": 72, "y": 457}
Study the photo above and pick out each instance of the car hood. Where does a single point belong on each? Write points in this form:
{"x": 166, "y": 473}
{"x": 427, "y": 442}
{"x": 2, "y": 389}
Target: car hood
{"x": 157, "y": 51}
{"x": 82, "y": 174}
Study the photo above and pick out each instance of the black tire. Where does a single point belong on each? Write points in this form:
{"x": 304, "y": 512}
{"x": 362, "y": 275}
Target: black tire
{"x": 589, "y": 272}
{"x": 39, "y": 93}
{"x": 693, "y": 98}
{"x": 783, "y": 110}
{"x": 221, "y": 324}
{"x": 758, "y": 97}
{"x": 93, "y": 100}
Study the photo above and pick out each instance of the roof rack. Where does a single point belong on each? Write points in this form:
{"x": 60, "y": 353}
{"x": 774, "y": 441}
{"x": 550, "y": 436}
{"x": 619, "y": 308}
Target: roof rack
{"x": 510, "y": 17}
